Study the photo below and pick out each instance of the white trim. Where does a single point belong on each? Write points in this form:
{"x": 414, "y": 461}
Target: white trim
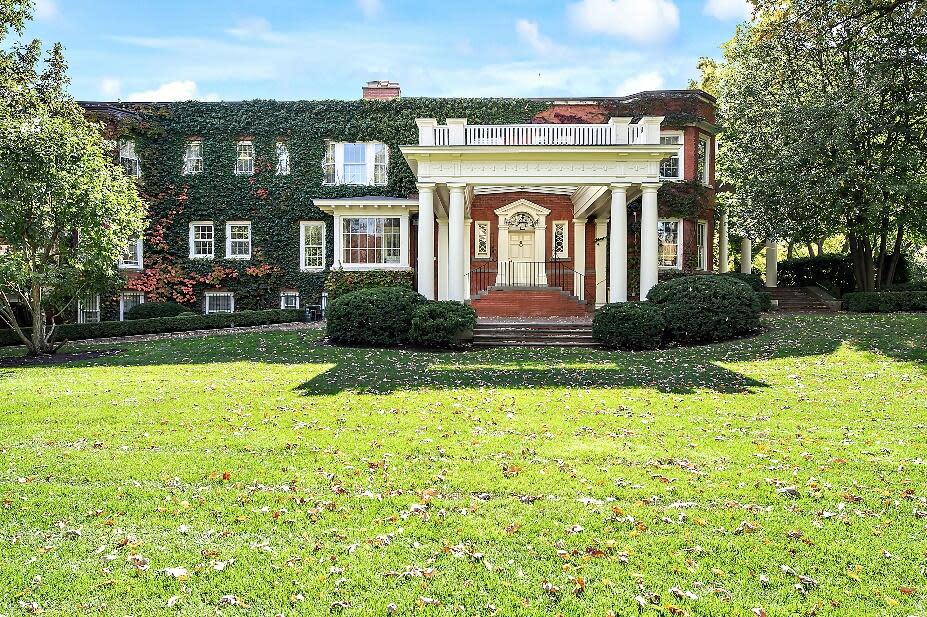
{"x": 193, "y": 254}
{"x": 487, "y": 226}
{"x": 139, "y": 262}
{"x": 122, "y": 302}
{"x": 702, "y": 236}
{"x": 375, "y": 207}
{"x": 565, "y": 253}
{"x": 82, "y": 309}
{"x": 679, "y": 241}
{"x": 228, "y": 239}
{"x": 128, "y": 158}
{"x": 702, "y": 138}
{"x": 242, "y": 163}
{"x": 303, "y": 225}
{"x": 680, "y": 154}
{"x": 193, "y": 165}
{"x": 370, "y": 164}
{"x": 290, "y": 294}
{"x": 218, "y": 294}
{"x": 284, "y": 162}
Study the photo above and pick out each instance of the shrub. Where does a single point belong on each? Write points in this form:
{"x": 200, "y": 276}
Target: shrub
{"x": 765, "y": 301}
{"x": 340, "y": 282}
{"x": 886, "y": 301}
{"x": 153, "y": 310}
{"x": 833, "y": 272}
{"x": 442, "y": 325}
{"x": 913, "y": 286}
{"x": 707, "y": 307}
{"x": 755, "y": 281}
{"x": 379, "y": 316}
{"x": 626, "y": 325}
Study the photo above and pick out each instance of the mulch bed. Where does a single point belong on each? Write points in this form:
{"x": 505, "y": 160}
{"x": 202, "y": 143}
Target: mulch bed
{"x": 58, "y": 358}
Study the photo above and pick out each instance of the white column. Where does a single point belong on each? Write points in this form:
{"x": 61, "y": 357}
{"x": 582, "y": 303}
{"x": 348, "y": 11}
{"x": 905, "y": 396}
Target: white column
{"x": 601, "y": 250}
{"x": 338, "y": 231}
{"x": 503, "y": 251}
{"x": 426, "y": 240}
{"x": 772, "y": 263}
{"x": 579, "y": 258}
{"x": 455, "y": 242}
{"x": 649, "y": 259}
{"x": 442, "y": 259}
{"x": 724, "y": 255}
{"x": 618, "y": 245}
{"x": 468, "y": 253}
{"x": 746, "y": 255}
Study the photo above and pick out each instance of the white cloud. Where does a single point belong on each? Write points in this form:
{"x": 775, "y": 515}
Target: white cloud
{"x": 643, "y": 21}
{"x": 370, "y": 8}
{"x": 729, "y": 9}
{"x": 640, "y": 83}
{"x": 110, "y": 87}
{"x": 173, "y": 91}
{"x": 528, "y": 32}
{"x": 46, "y": 9}
{"x": 255, "y": 29}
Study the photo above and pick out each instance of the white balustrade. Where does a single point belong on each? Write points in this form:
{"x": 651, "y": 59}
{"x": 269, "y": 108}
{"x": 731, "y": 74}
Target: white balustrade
{"x": 458, "y": 133}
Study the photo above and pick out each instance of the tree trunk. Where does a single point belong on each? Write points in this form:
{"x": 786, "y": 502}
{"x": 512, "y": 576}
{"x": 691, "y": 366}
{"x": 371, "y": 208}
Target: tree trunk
{"x": 863, "y": 267}
{"x": 37, "y": 345}
{"x": 810, "y": 250}
{"x": 889, "y": 276}
{"x": 791, "y": 249}
{"x": 820, "y": 247}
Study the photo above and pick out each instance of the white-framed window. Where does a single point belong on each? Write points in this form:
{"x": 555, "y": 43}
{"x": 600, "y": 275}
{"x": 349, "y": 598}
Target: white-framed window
{"x": 702, "y": 159}
{"x": 559, "y": 240}
{"x": 202, "y": 240}
{"x": 133, "y": 258}
{"x": 238, "y": 240}
{"x": 283, "y": 159}
{"x": 482, "y": 244}
{"x": 88, "y": 309}
{"x": 702, "y": 239}
{"x": 669, "y": 241}
{"x": 129, "y": 159}
{"x": 311, "y": 245}
{"x": 371, "y": 240}
{"x": 671, "y": 166}
{"x": 219, "y": 302}
{"x": 128, "y": 300}
{"x": 244, "y": 161}
{"x": 289, "y": 299}
{"x": 364, "y": 163}
{"x": 193, "y": 157}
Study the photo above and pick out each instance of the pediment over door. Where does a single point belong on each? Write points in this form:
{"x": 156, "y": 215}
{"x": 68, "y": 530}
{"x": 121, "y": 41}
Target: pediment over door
{"x": 514, "y": 215}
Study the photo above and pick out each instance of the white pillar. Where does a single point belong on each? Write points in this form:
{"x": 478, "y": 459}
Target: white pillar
{"x": 772, "y": 263}
{"x": 468, "y": 252}
{"x": 426, "y": 240}
{"x": 649, "y": 258}
{"x": 723, "y": 250}
{"x": 503, "y": 252}
{"x": 442, "y": 259}
{"x": 618, "y": 245}
{"x": 455, "y": 242}
{"x": 579, "y": 258}
{"x": 601, "y": 249}
{"x": 746, "y": 255}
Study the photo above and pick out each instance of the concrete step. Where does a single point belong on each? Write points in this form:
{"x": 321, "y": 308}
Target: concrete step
{"x": 536, "y": 334}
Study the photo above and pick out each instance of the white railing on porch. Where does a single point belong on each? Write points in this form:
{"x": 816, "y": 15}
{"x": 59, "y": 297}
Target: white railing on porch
{"x": 618, "y": 132}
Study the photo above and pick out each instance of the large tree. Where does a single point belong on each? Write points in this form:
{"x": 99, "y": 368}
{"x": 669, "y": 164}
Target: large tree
{"x": 67, "y": 210}
{"x": 824, "y": 108}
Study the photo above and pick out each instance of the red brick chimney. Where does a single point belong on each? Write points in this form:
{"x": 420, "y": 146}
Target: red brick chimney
{"x": 380, "y": 90}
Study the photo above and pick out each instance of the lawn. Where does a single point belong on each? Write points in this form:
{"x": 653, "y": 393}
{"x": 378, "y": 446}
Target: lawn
{"x": 267, "y": 474}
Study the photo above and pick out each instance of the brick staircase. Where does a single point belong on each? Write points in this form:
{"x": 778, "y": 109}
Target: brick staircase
{"x": 528, "y": 302}
{"x": 532, "y": 334}
{"x": 797, "y": 300}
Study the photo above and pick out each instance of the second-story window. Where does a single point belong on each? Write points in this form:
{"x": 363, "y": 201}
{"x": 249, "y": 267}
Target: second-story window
{"x": 193, "y": 157}
{"x": 671, "y": 167}
{"x": 132, "y": 258}
{"x": 244, "y": 163}
{"x": 283, "y": 159}
{"x": 128, "y": 158}
{"x": 702, "y": 162}
{"x": 362, "y": 163}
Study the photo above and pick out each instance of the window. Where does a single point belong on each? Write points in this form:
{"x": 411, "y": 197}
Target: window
{"x": 128, "y": 300}
{"x": 481, "y": 250}
{"x": 312, "y": 245}
{"x": 128, "y": 159}
{"x": 702, "y": 239}
{"x": 289, "y": 299}
{"x": 220, "y": 302}
{"x": 202, "y": 240}
{"x": 370, "y": 240}
{"x": 244, "y": 164}
{"x": 132, "y": 258}
{"x": 283, "y": 159}
{"x": 670, "y": 244}
{"x": 702, "y": 163}
{"x": 193, "y": 157}
{"x": 671, "y": 167}
{"x": 559, "y": 250}
{"x": 88, "y": 309}
{"x": 238, "y": 240}
{"x": 356, "y": 163}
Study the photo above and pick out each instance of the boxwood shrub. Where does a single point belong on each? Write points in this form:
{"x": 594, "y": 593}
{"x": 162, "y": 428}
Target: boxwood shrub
{"x": 442, "y": 325}
{"x": 340, "y": 282}
{"x": 885, "y": 301}
{"x": 755, "y": 281}
{"x": 151, "y": 310}
{"x": 380, "y": 316}
{"x": 627, "y": 325}
{"x": 706, "y": 307}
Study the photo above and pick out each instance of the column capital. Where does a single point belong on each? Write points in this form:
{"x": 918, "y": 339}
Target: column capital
{"x": 425, "y": 186}
{"x": 651, "y": 187}
{"x": 619, "y": 186}
{"x": 579, "y": 221}
{"x": 455, "y": 187}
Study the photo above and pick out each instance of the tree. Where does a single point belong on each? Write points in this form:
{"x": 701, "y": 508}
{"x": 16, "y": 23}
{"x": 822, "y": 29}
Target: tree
{"x": 824, "y": 109}
{"x": 708, "y": 81}
{"x": 67, "y": 211}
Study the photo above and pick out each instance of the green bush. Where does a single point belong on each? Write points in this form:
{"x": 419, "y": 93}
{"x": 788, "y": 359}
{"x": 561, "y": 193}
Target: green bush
{"x": 442, "y": 325}
{"x": 153, "y": 310}
{"x": 755, "y": 281}
{"x": 109, "y": 329}
{"x": 340, "y": 282}
{"x": 765, "y": 301}
{"x": 380, "y": 316}
{"x": 912, "y": 286}
{"x": 885, "y": 301}
{"x": 833, "y": 272}
{"x": 626, "y": 325}
{"x": 707, "y": 307}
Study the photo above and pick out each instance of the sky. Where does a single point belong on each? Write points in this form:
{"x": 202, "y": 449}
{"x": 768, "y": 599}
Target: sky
{"x": 311, "y": 49}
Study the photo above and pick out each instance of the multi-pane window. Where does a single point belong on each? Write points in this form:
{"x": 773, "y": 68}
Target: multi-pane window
{"x": 128, "y": 300}
{"x": 355, "y": 164}
{"x": 670, "y": 246}
{"x": 193, "y": 157}
{"x": 702, "y": 161}
{"x": 238, "y": 240}
{"x": 202, "y": 240}
{"x": 670, "y": 167}
{"x": 328, "y": 164}
{"x": 219, "y": 302}
{"x": 132, "y": 258}
{"x": 380, "y": 163}
{"x": 312, "y": 245}
{"x": 129, "y": 159}
{"x": 371, "y": 240}
{"x": 560, "y": 240}
{"x": 481, "y": 250}
{"x": 289, "y": 299}
{"x": 363, "y": 163}
{"x": 702, "y": 239}
{"x": 88, "y": 309}
{"x": 244, "y": 162}
{"x": 283, "y": 159}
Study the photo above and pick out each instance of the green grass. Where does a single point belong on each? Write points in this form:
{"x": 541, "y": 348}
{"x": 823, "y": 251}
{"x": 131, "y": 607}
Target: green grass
{"x": 320, "y": 475}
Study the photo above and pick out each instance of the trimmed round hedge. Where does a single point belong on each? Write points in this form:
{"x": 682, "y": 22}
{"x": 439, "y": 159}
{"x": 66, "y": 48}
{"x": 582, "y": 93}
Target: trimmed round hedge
{"x": 442, "y": 325}
{"x": 706, "y": 307}
{"x": 627, "y": 325}
{"x": 153, "y": 310}
{"x": 380, "y": 316}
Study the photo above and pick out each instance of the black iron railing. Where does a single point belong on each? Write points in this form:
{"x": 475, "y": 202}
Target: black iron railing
{"x": 555, "y": 273}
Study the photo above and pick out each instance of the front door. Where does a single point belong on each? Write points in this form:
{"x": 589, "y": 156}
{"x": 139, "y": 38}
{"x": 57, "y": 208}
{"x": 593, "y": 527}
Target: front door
{"x": 522, "y": 268}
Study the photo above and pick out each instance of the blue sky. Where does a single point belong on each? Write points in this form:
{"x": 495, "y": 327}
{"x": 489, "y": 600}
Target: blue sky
{"x": 288, "y": 49}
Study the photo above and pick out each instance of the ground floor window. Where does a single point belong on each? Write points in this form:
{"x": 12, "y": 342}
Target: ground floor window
{"x": 371, "y": 240}
{"x": 312, "y": 245}
{"x": 220, "y": 302}
{"x": 559, "y": 250}
{"x": 702, "y": 238}
{"x": 670, "y": 244}
{"x": 128, "y": 300}
{"x": 88, "y": 309}
{"x": 289, "y": 300}
{"x": 482, "y": 244}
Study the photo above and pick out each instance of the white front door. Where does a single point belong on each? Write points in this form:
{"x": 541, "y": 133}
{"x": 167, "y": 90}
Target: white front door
{"x": 521, "y": 259}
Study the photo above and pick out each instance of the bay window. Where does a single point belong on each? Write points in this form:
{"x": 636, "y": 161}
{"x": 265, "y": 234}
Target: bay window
{"x": 669, "y": 240}
{"x": 371, "y": 240}
{"x": 361, "y": 163}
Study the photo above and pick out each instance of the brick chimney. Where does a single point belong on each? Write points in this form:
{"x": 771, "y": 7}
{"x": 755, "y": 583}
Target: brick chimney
{"x": 380, "y": 90}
